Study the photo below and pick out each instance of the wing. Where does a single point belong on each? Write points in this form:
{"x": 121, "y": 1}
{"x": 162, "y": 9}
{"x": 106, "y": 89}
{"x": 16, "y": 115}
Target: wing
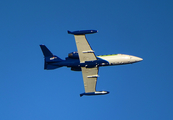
{"x": 84, "y": 50}
{"x": 90, "y": 78}
{"x": 86, "y": 54}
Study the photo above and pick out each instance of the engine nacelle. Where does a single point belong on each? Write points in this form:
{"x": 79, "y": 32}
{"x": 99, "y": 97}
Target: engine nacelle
{"x": 73, "y": 55}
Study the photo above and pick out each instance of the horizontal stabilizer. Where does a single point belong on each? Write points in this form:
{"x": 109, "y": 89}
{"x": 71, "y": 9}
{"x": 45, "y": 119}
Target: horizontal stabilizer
{"x": 50, "y": 67}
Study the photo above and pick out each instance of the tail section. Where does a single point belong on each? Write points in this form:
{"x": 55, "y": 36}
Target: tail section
{"x": 49, "y": 58}
{"x": 46, "y": 51}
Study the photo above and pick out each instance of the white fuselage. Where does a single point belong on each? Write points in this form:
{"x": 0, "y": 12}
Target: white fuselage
{"x": 118, "y": 59}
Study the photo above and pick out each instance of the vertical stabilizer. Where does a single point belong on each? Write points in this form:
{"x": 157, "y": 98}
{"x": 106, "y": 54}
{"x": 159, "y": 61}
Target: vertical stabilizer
{"x": 49, "y": 58}
{"x": 46, "y": 51}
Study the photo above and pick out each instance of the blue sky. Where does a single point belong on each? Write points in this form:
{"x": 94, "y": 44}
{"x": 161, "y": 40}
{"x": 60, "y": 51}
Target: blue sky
{"x": 141, "y": 91}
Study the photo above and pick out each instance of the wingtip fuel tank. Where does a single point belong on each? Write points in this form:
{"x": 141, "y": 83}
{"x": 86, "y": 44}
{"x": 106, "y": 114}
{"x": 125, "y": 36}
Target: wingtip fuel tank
{"x": 95, "y": 93}
{"x": 82, "y": 32}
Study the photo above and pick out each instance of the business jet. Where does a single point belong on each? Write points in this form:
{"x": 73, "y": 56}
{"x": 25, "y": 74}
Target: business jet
{"x": 86, "y": 61}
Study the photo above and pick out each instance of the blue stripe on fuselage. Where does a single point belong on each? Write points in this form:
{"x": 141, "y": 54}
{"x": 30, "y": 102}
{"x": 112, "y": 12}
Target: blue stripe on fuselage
{"x": 75, "y": 63}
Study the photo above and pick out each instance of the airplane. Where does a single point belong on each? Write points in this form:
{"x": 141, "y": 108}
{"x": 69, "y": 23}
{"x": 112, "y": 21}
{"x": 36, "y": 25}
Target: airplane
{"x": 86, "y": 61}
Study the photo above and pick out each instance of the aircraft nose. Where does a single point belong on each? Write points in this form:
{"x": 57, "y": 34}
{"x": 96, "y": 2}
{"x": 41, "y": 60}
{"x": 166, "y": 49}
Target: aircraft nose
{"x": 138, "y": 59}
{"x": 135, "y": 59}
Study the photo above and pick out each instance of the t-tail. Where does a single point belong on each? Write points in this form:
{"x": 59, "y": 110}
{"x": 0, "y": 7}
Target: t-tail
{"x": 49, "y": 58}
